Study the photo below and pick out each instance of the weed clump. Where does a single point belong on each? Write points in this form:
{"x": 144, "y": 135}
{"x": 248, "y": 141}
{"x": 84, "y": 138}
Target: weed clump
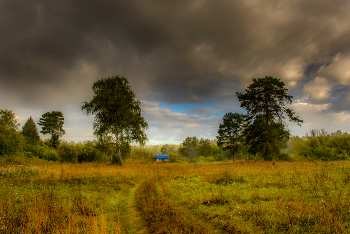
{"x": 225, "y": 178}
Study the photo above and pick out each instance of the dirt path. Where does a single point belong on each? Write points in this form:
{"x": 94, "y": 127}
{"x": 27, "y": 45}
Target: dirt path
{"x": 135, "y": 221}
{"x": 159, "y": 215}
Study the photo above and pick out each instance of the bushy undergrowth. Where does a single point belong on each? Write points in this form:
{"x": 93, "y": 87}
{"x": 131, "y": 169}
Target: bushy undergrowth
{"x": 225, "y": 178}
{"x": 324, "y": 148}
{"x": 42, "y": 152}
{"x": 10, "y": 140}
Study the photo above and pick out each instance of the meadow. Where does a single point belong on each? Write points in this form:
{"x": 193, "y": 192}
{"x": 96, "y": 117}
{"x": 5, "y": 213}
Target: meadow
{"x": 224, "y": 197}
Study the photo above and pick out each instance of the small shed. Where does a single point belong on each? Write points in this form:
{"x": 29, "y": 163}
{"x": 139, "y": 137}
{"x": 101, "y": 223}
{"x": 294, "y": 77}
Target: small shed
{"x": 162, "y": 158}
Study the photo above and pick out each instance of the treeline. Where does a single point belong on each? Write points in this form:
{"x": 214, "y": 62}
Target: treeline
{"x": 319, "y": 145}
{"x": 202, "y": 150}
{"x": 315, "y": 145}
{"x": 192, "y": 149}
{"x": 27, "y": 142}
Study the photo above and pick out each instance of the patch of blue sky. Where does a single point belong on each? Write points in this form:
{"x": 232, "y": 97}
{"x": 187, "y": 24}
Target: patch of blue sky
{"x": 337, "y": 92}
{"x": 185, "y": 108}
{"x": 191, "y": 109}
{"x": 296, "y": 93}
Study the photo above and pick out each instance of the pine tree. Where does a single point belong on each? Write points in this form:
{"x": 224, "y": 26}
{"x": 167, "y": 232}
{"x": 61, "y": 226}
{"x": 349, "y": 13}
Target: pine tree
{"x": 231, "y": 132}
{"x": 52, "y": 123}
{"x": 30, "y": 131}
{"x": 265, "y": 101}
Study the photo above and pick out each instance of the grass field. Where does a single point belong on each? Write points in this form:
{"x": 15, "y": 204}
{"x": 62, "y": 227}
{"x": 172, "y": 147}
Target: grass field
{"x": 229, "y": 197}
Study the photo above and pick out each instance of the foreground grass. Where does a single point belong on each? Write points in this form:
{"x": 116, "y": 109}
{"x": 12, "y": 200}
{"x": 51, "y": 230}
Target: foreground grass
{"x": 67, "y": 198}
{"x": 291, "y": 197}
{"x": 267, "y": 198}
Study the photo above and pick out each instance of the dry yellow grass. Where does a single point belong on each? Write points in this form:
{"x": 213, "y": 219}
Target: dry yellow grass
{"x": 261, "y": 197}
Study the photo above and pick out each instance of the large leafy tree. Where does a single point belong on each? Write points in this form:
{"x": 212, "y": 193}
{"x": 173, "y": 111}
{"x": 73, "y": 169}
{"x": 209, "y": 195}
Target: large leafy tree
{"x": 190, "y": 148}
{"x": 52, "y": 123}
{"x": 8, "y": 119}
{"x": 231, "y": 132}
{"x": 167, "y": 149}
{"x": 30, "y": 131}
{"x": 265, "y": 101}
{"x": 205, "y": 148}
{"x": 116, "y": 111}
{"x": 10, "y": 139}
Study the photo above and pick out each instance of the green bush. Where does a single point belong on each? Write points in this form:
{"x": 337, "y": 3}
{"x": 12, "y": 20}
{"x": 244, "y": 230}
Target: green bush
{"x": 42, "y": 152}
{"x": 210, "y": 159}
{"x": 116, "y": 159}
{"x": 323, "y": 148}
{"x": 173, "y": 157}
{"x": 218, "y": 157}
{"x": 87, "y": 152}
{"x": 283, "y": 156}
{"x": 125, "y": 150}
{"x": 225, "y": 178}
{"x": 68, "y": 153}
{"x": 10, "y": 141}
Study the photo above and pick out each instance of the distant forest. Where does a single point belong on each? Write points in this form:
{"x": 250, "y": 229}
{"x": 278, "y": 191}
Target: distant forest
{"x": 315, "y": 145}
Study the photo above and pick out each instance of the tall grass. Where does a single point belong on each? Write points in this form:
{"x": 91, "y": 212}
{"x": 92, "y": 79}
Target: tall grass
{"x": 66, "y": 198}
{"x": 163, "y": 216}
{"x": 262, "y": 197}
{"x": 228, "y": 197}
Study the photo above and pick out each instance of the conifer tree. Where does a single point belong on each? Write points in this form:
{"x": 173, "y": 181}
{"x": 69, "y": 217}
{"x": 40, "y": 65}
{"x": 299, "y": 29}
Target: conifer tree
{"x": 30, "y": 131}
{"x": 265, "y": 101}
{"x": 231, "y": 132}
{"x": 52, "y": 123}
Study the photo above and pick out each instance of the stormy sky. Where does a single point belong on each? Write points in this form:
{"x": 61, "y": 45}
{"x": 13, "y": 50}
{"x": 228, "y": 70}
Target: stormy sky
{"x": 185, "y": 60}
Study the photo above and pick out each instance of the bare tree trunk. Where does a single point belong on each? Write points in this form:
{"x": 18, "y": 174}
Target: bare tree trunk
{"x": 233, "y": 154}
{"x": 117, "y": 146}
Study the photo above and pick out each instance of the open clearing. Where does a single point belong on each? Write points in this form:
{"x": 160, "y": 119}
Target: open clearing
{"x": 230, "y": 197}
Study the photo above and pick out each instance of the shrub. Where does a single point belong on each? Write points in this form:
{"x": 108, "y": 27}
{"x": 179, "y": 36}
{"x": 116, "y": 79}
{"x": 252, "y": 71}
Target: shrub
{"x": 218, "y": 157}
{"x": 68, "y": 153}
{"x": 10, "y": 141}
{"x": 323, "y": 148}
{"x": 125, "y": 150}
{"x": 116, "y": 159}
{"x": 283, "y": 156}
{"x": 173, "y": 157}
{"x": 42, "y": 152}
{"x": 87, "y": 152}
{"x": 225, "y": 178}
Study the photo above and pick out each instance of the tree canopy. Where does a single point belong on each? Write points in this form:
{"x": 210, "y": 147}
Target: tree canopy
{"x": 52, "y": 123}
{"x": 231, "y": 132}
{"x": 8, "y": 120}
{"x": 190, "y": 148}
{"x": 116, "y": 111}
{"x": 265, "y": 101}
{"x": 30, "y": 131}
{"x": 205, "y": 148}
{"x": 9, "y": 137}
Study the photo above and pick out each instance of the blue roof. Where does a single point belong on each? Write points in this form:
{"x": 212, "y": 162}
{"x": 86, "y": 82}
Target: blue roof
{"x": 162, "y": 156}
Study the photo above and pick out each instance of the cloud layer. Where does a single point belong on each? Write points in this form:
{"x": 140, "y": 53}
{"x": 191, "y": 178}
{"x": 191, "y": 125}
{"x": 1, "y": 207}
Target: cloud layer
{"x": 196, "y": 52}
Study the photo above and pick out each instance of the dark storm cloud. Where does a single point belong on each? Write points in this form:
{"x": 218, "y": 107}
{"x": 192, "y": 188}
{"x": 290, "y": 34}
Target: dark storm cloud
{"x": 180, "y": 51}
{"x": 340, "y": 99}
